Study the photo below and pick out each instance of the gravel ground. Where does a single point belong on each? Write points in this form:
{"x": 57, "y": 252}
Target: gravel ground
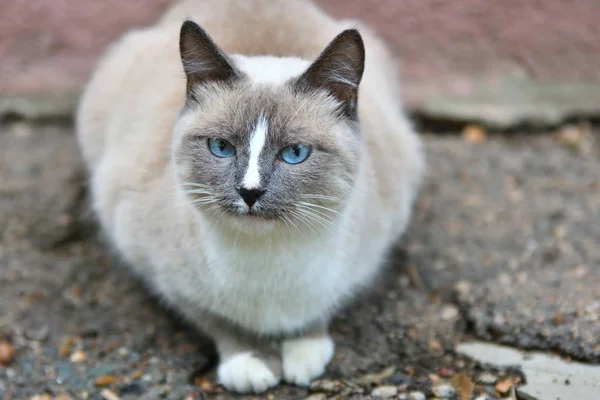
{"x": 503, "y": 247}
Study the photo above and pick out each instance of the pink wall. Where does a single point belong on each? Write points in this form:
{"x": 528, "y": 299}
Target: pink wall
{"x": 51, "y": 45}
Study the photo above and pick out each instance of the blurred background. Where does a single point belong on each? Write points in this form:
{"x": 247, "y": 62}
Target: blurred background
{"x": 502, "y": 62}
{"x": 503, "y": 248}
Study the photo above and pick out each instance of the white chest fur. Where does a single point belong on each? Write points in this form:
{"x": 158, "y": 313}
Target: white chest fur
{"x": 271, "y": 287}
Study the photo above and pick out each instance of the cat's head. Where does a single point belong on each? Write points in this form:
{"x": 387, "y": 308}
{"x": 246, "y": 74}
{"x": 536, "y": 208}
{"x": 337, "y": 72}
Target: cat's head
{"x": 267, "y": 142}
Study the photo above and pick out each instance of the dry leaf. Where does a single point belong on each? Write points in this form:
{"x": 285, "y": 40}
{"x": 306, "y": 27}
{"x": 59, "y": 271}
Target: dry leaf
{"x": 474, "y": 134}
{"x": 204, "y": 384}
{"x": 7, "y": 353}
{"x": 105, "y": 380}
{"x": 465, "y": 386}
{"x": 137, "y": 374}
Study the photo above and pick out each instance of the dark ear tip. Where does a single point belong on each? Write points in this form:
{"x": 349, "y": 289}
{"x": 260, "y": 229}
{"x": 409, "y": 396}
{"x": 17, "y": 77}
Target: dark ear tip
{"x": 352, "y": 34}
{"x": 189, "y": 26}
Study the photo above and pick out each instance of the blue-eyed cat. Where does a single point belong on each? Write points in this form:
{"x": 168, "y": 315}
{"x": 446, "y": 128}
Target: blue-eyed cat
{"x": 255, "y": 178}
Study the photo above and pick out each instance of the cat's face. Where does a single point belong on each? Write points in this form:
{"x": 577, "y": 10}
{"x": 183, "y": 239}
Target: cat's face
{"x": 269, "y": 154}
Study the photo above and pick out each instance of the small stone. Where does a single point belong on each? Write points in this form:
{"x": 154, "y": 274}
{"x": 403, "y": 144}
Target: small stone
{"x": 7, "y": 353}
{"x": 105, "y": 380}
{"x": 63, "y": 397}
{"x": 487, "y": 378}
{"x": 326, "y": 386}
{"x": 577, "y": 138}
{"x": 484, "y": 397}
{"x": 78, "y": 356}
{"x": 416, "y": 396}
{"x": 376, "y": 378}
{"x": 435, "y": 345}
{"x": 317, "y": 396}
{"x": 108, "y": 395}
{"x": 398, "y": 378}
{"x": 41, "y": 397}
{"x": 444, "y": 391}
{"x": 449, "y": 312}
{"x": 385, "y": 392}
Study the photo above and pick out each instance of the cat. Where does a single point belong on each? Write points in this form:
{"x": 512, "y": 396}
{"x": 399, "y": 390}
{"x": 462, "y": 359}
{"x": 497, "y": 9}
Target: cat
{"x": 251, "y": 161}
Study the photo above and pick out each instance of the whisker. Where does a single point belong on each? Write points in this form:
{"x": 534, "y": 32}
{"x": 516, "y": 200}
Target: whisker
{"x": 304, "y": 203}
{"x": 303, "y": 219}
{"x": 296, "y": 226}
{"x": 324, "y": 197}
{"x": 326, "y": 223}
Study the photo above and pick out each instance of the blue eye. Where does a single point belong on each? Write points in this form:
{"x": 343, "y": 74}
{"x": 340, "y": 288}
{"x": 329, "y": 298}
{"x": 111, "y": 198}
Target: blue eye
{"x": 221, "y": 148}
{"x": 295, "y": 154}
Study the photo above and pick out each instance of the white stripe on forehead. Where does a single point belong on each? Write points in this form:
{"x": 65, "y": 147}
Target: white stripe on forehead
{"x": 257, "y": 143}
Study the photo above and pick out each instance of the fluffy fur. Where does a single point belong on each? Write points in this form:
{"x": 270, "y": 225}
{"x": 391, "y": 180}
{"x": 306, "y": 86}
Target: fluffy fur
{"x": 262, "y": 281}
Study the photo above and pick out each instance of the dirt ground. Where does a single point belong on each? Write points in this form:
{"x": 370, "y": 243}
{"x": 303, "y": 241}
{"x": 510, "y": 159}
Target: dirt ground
{"x": 504, "y": 246}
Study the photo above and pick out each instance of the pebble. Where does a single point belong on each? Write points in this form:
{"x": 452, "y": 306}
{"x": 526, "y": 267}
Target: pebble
{"x": 487, "y": 379}
{"x": 78, "y": 356}
{"x": 449, "y": 312}
{"x": 398, "y": 378}
{"x": 485, "y": 398}
{"x": 41, "y": 397}
{"x": 416, "y": 396}
{"x": 385, "y": 391}
{"x": 7, "y": 353}
{"x": 326, "y": 386}
{"x": 108, "y": 395}
{"x": 317, "y": 396}
{"x": 444, "y": 391}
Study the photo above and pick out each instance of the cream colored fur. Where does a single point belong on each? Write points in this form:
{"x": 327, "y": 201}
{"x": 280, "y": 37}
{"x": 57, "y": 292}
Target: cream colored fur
{"x": 125, "y": 124}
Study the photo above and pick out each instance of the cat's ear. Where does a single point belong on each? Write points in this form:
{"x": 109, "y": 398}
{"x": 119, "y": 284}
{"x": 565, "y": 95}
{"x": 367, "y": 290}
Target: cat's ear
{"x": 339, "y": 69}
{"x": 202, "y": 59}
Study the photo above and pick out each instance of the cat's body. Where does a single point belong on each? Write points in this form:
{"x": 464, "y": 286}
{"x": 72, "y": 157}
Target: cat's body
{"x": 273, "y": 273}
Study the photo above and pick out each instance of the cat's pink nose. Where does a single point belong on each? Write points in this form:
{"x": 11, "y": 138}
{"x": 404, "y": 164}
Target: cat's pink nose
{"x": 250, "y": 196}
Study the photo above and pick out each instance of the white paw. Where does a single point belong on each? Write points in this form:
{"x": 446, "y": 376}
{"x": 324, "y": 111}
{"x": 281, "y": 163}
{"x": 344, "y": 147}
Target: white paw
{"x": 245, "y": 373}
{"x": 304, "y": 359}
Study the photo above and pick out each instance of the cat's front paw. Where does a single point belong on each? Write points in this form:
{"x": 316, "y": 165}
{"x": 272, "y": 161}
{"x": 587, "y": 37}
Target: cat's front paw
{"x": 304, "y": 359}
{"x": 245, "y": 373}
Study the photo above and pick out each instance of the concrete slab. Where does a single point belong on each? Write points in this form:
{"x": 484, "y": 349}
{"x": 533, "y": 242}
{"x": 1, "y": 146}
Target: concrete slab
{"x": 548, "y": 377}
